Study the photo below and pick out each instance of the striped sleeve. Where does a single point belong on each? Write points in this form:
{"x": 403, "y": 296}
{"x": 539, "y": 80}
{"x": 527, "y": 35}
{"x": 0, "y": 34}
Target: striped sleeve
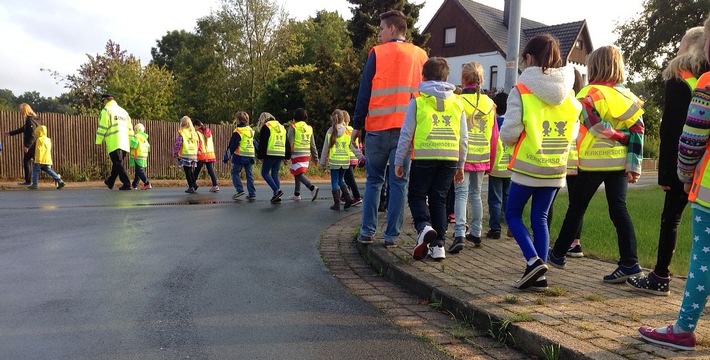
{"x": 694, "y": 139}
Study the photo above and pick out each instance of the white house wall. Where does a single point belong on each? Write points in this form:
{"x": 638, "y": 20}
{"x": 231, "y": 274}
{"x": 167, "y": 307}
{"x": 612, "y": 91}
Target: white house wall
{"x": 486, "y": 60}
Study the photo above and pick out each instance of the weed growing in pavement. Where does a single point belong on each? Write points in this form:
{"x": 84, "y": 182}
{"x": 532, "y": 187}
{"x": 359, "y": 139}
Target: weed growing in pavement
{"x": 541, "y": 300}
{"x": 551, "y": 352}
{"x": 595, "y": 297}
{"x": 522, "y": 317}
{"x": 511, "y": 299}
{"x": 499, "y": 331}
{"x": 585, "y": 327}
{"x": 437, "y": 304}
{"x": 424, "y": 337}
{"x": 555, "y": 291}
{"x": 635, "y": 316}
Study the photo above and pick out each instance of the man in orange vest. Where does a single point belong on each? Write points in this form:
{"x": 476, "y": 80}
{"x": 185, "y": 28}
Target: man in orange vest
{"x": 391, "y": 75}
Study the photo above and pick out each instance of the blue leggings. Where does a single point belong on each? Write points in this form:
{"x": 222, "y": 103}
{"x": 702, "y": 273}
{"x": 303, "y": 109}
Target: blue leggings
{"x": 337, "y": 178}
{"x": 518, "y": 196}
{"x": 698, "y": 284}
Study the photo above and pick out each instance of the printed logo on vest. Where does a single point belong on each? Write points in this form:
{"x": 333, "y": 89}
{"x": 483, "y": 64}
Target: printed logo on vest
{"x": 441, "y": 129}
{"x": 554, "y": 141}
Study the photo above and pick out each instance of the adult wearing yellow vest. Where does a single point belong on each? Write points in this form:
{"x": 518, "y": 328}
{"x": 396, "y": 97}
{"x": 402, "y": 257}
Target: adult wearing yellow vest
{"x": 693, "y": 171}
{"x": 610, "y": 152}
{"x": 681, "y": 77}
{"x": 435, "y": 132}
{"x": 207, "y": 156}
{"x": 541, "y": 123}
{"x": 300, "y": 136}
{"x": 391, "y": 74}
{"x": 115, "y": 131}
{"x": 273, "y": 149}
{"x": 241, "y": 151}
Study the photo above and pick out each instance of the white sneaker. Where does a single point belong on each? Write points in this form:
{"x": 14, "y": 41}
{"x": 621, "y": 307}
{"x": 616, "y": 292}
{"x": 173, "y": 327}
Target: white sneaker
{"x": 425, "y": 237}
{"x": 295, "y": 197}
{"x": 437, "y": 252}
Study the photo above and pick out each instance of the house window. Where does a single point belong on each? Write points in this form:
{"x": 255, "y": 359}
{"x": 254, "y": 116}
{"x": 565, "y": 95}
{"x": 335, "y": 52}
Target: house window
{"x": 494, "y": 78}
{"x": 450, "y": 36}
{"x": 578, "y": 44}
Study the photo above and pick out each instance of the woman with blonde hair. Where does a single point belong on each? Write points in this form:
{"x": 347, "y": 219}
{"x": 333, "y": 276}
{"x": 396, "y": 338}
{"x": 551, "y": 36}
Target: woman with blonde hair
{"x": 28, "y": 139}
{"x": 185, "y": 151}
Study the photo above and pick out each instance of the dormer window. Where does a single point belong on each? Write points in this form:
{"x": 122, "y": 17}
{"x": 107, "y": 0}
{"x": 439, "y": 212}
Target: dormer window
{"x": 578, "y": 44}
{"x": 450, "y": 36}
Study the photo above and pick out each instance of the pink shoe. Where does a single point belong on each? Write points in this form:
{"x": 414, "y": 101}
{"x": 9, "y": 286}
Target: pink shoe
{"x": 147, "y": 187}
{"x": 682, "y": 341}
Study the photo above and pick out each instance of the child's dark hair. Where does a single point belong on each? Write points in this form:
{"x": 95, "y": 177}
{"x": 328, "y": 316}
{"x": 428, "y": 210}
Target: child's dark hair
{"x": 544, "y": 50}
{"x": 196, "y": 122}
{"x": 436, "y": 68}
{"x": 501, "y": 101}
{"x": 300, "y": 114}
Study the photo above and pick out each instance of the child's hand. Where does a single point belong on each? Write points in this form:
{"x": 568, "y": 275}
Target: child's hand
{"x": 398, "y": 171}
{"x": 458, "y": 176}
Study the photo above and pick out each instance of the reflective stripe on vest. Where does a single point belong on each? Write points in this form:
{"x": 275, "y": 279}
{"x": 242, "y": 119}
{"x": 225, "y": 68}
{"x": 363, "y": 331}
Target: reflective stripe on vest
{"x": 398, "y": 73}
{"x": 543, "y": 147}
{"x": 277, "y": 139}
{"x": 689, "y": 79}
{"x": 246, "y": 144}
{"x": 338, "y": 154}
{"x": 500, "y": 164}
{"x": 302, "y": 134}
{"x": 438, "y": 131}
{"x": 353, "y": 158}
{"x": 114, "y": 128}
{"x": 700, "y": 189}
{"x": 480, "y": 127}
{"x": 189, "y": 144}
{"x": 573, "y": 159}
{"x": 621, "y": 109}
{"x": 207, "y": 148}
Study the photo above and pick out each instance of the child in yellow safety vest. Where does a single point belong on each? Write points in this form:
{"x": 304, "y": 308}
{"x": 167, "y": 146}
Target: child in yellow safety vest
{"x": 207, "y": 156}
{"x": 541, "y": 123}
{"x": 273, "y": 149}
{"x": 138, "y": 157}
{"x": 610, "y": 150}
{"x": 303, "y": 150}
{"x": 241, "y": 151}
{"x": 499, "y": 175}
{"x": 43, "y": 158}
{"x": 335, "y": 155}
{"x": 185, "y": 150}
{"x": 350, "y": 172}
{"x": 435, "y": 132}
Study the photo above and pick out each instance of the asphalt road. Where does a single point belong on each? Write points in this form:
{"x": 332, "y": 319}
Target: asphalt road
{"x": 159, "y": 274}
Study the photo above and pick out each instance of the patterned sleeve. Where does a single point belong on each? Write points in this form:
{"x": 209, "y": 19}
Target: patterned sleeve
{"x": 694, "y": 139}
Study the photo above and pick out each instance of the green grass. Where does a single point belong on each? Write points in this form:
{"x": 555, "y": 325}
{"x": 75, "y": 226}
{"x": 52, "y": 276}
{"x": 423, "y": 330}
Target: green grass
{"x": 645, "y": 205}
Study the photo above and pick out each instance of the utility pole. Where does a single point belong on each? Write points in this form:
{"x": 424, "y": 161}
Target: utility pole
{"x": 511, "y": 58}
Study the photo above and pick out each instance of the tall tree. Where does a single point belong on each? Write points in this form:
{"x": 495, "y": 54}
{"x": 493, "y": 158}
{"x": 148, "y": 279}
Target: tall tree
{"x": 365, "y": 22}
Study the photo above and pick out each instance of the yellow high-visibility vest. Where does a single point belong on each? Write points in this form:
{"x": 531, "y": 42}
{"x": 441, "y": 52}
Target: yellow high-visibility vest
{"x": 338, "y": 154}
{"x": 482, "y": 109}
{"x": 302, "y": 134}
{"x": 277, "y": 139}
{"x": 438, "y": 131}
{"x": 189, "y": 144}
{"x": 246, "y": 144}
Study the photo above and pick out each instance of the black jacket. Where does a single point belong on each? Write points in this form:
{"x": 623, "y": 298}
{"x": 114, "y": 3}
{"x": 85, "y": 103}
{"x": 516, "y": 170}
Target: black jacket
{"x": 261, "y": 145}
{"x": 28, "y": 131}
{"x": 675, "y": 110}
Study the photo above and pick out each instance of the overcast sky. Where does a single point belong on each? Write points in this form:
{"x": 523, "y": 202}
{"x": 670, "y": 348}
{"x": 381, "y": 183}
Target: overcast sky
{"x": 57, "y": 35}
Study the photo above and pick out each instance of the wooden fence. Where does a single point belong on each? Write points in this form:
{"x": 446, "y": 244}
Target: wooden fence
{"x": 76, "y": 157}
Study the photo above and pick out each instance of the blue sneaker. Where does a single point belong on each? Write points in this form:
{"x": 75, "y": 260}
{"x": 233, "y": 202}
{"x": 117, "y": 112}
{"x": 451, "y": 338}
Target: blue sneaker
{"x": 622, "y": 273}
{"x": 556, "y": 262}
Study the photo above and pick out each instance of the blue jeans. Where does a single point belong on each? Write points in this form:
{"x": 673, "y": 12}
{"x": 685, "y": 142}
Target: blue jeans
{"x": 210, "y": 171}
{"x": 430, "y": 182}
{"x": 497, "y": 198}
{"x": 45, "y": 168}
{"x": 469, "y": 188}
{"x": 237, "y": 181}
{"x": 337, "y": 178}
{"x": 270, "y": 172}
{"x": 541, "y": 200}
{"x": 380, "y": 148}
{"x": 586, "y": 185}
{"x": 140, "y": 175}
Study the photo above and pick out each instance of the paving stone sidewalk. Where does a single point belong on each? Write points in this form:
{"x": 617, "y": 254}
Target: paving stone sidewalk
{"x": 579, "y": 317}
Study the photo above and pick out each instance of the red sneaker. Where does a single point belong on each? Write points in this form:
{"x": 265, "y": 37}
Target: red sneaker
{"x": 682, "y": 341}
{"x": 452, "y": 218}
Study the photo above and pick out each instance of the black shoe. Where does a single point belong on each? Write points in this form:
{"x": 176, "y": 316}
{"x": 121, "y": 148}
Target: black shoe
{"x": 556, "y": 262}
{"x": 190, "y": 190}
{"x": 457, "y": 245}
{"x": 493, "y": 234}
{"x": 540, "y": 285}
{"x": 651, "y": 284}
{"x": 575, "y": 251}
{"x": 365, "y": 239}
{"x": 531, "y": 274}
{"x": 125, "y": 187}
{"x": 277, "y": 197}
{"x": 476, "y": 240}
{"x": 110, "y": 186}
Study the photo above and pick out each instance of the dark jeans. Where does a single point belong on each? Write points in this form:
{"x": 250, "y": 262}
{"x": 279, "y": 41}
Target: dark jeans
{"x": 673, "y": 206}
{"x": 27, "y": 163}
{"x": 301, "y": 179}
{"x": 190, "y": 177}
{"x": 498, "y": 188}
{"x": 615, "y": 185}
{"x": 450, "y": 199}
{"x": 117, "y": 169}
{"x": 571, "y": 181}
{"x": 140, "y": 175}
{"x": 429, "y": 181}
{"x": 351, "y": 183}
{"x": 270, "y": 172}
{"x": 210, "y": 171}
